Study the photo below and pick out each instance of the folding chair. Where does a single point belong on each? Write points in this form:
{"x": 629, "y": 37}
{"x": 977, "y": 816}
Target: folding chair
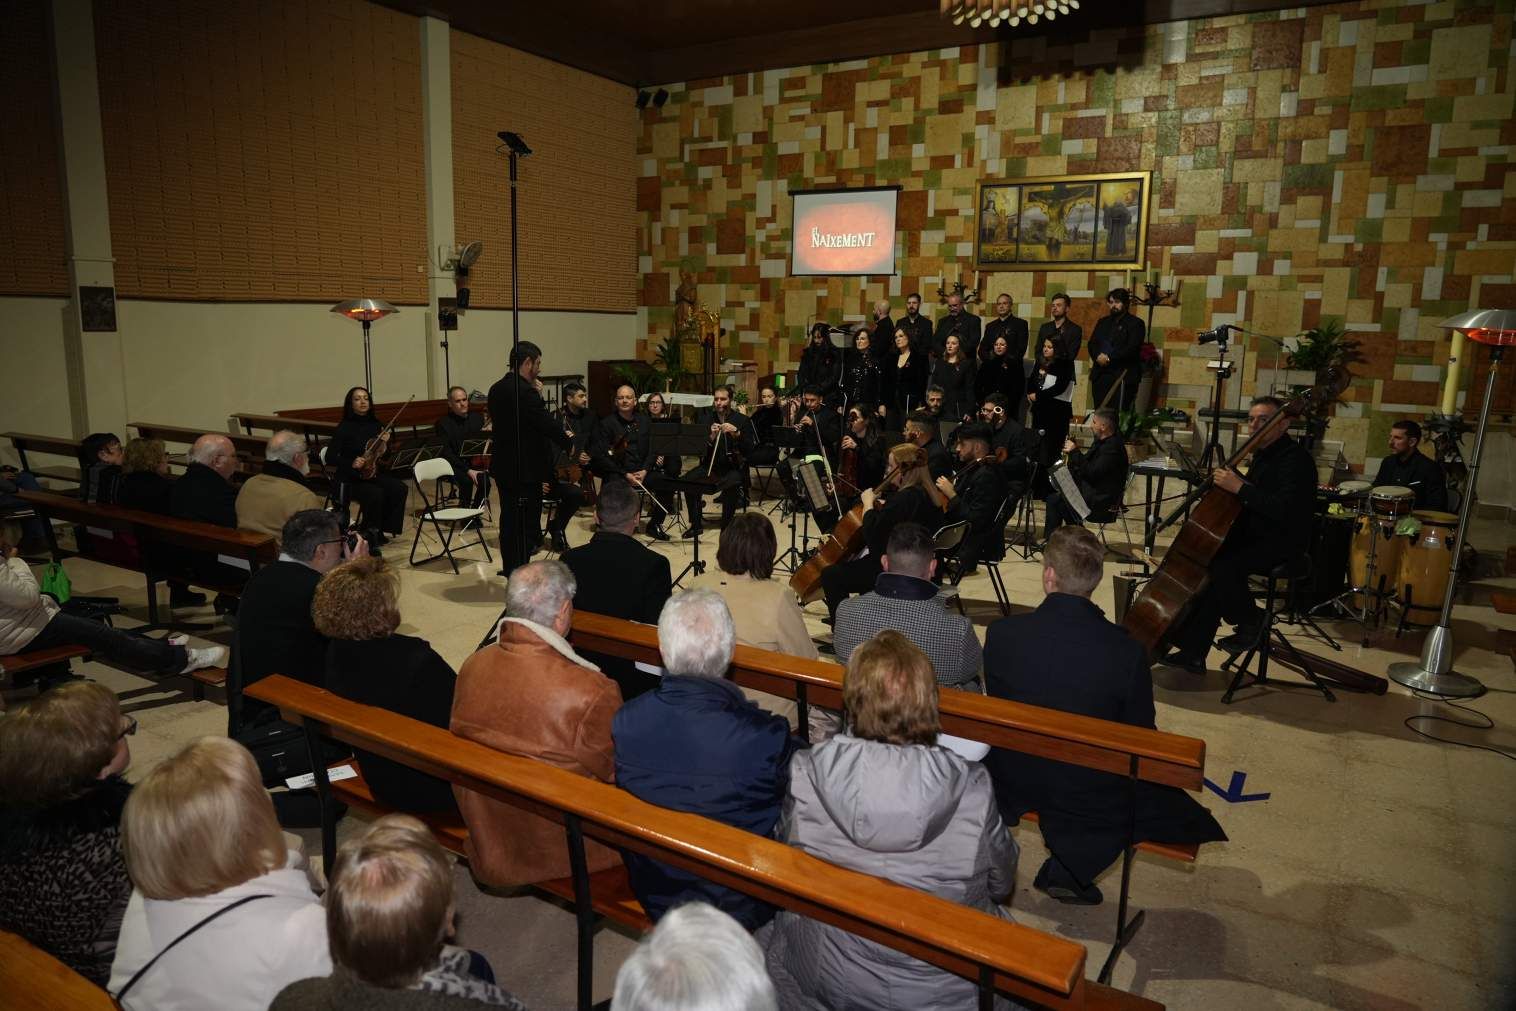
{"x": 947, "y": 542}
{"x": 430, "y": 470}
{"x": 992, "y": 565}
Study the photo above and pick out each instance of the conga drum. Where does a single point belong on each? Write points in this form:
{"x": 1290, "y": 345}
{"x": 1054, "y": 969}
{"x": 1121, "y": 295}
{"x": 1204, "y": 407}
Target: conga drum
{"x": 1424, "y": 567}
{"x": 1374, "y": 541}
{"x": 1391, "y": 501}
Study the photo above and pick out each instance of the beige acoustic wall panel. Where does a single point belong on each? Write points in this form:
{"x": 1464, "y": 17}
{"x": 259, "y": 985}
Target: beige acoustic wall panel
{"x": 577, "y": 192}
{"x": 32, "y": 254}
{"x": 263, "y": 152}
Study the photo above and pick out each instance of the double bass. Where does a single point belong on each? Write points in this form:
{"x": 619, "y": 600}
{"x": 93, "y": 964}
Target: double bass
{"x": 845, "y": 541}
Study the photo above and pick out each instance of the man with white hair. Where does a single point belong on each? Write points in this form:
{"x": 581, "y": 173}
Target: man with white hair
{"x": 696, "y": 959}
{"x": 204, "y": 493}
{"x": 697, "y": 744}
{"x": 529, "y": 694}
{"x": 268, "y": 500}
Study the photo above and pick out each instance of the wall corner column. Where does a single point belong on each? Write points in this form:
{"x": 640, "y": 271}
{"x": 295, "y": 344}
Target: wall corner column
{"x": 437, "y": 132}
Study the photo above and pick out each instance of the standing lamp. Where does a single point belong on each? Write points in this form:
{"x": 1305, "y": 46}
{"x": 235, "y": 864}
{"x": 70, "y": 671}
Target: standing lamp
{"x": 365, "y": 310}
{"x": 1434, "y": 673}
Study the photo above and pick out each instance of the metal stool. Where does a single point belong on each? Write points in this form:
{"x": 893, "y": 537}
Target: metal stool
{"x": 1270, "y": 638}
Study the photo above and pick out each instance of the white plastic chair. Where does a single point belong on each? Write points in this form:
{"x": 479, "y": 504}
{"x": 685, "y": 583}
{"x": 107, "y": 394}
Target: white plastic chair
{"x": 445, "y": 521}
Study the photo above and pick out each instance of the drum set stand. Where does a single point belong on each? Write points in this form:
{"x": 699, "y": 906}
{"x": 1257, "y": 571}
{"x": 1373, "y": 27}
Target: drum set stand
{"x": 1399, "y": 558}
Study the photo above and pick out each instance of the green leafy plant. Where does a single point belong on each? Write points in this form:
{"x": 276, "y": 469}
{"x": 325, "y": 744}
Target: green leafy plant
{"x": 663, "y": 374}
{"x": 1134, "y": 425}
{"x": 1323, "y": 347}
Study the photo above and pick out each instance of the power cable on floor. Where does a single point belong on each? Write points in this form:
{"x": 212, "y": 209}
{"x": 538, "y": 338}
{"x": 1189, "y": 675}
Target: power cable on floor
{"x": 1486, "y": 724}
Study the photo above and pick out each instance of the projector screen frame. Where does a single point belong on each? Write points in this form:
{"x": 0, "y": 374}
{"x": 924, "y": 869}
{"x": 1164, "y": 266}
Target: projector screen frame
{"x": 894, "y": 239}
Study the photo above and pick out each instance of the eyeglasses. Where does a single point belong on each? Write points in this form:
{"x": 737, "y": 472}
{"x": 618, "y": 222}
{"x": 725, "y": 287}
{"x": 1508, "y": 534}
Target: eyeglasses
{"x": 129, "y": 729}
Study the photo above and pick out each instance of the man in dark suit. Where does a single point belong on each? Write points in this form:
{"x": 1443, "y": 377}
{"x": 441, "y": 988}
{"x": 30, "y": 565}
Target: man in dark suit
{"x": 1065, "y": 334}
{"x": 621, "y": 447}
{"x": 1099, "y": 473}
{"x": 921, "y": 429}
{"x": 731, "y": 439}
{"x": 1005, "y": 324}
{"x": 916, "y": 326}
{"x": 1278, "y": 497}
{"x": 883, "y": 344}
{"x": 619, "y": 577}
{"x": 457, "y": 426}
{"x": 1066, "y": 656}
{"x": 1116, "y": 351}
{"x": 959, "y": 321}
{"x": 976, "y": 495}
{"x": 1408, "y": 467}
{"x": 522, "y": 463}
{"x": 205, "y": 493}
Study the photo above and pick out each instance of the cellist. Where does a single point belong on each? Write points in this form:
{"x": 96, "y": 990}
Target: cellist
{"x": 908, "y": 495}
{"x": 1278, "y": 496}
{"x": 725, "y": 458}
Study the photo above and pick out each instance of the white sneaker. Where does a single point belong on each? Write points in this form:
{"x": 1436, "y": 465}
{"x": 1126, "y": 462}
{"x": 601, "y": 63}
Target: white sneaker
{"x": 199, "y": 659}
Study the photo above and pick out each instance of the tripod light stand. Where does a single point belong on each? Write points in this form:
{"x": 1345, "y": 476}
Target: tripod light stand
{"x": 1434, "y": 673}
{"x": 365, "y": 311}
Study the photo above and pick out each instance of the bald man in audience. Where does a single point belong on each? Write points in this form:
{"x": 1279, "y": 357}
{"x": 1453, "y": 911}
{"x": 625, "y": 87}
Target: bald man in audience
{"x": 204, "y": 493}
{"x": 268, "y": 500}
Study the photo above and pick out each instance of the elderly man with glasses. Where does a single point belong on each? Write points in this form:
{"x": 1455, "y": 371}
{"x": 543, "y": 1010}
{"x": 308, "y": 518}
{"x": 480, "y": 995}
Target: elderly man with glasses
{"x": 1278, "y": 496}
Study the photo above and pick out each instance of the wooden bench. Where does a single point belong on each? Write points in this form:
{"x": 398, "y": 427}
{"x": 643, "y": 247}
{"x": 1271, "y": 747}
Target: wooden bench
{"x": 998, "y": 955}
{"x": 314, "y": 431}
{"x": 248, "y": 447}
{"x": 20, "y": 663}
{"x": 47, "y": 445}
{"x": 1134, "y": 752}
{"x": 33, "y": 980}
{"x": 153, "y": 530}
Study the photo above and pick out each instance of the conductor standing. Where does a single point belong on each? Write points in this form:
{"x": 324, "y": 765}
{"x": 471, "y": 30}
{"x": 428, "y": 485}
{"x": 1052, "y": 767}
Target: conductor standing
{"x": 527, "y": 438}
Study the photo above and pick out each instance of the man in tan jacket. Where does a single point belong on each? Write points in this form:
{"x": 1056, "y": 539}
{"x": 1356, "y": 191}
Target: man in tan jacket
{"x": 268, "y": 500}
{"x": 530, "y": 694}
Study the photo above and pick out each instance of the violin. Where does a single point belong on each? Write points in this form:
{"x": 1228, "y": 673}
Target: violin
{"x": 379, "y": 445}
{"x": 570, "y": 471}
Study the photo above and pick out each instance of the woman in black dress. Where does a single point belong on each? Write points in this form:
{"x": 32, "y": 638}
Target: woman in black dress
{"x": 1002, "y": 374}
{"x": 908, "y": 370}
{"x": 955, "y": 374}
{"x": 819, "y": 364}
{"x": 1050, "y": 391}
{"x": 381, "y": 497}
{"x": 766, "y": 416}
{"x": 862, "y": 377}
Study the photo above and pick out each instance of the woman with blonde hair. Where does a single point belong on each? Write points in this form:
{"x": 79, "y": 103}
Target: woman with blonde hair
{"x": 222, "y": 914}
{"x": 885, "y": 798}
{"x": 145, "y": 485}
{"x": 909, "y": 496}
{"x": 356, "y": 607}
{"x": 63, "y": 883}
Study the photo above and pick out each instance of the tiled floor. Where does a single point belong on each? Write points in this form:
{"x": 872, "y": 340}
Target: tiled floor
{"x": 1380, "y": 872}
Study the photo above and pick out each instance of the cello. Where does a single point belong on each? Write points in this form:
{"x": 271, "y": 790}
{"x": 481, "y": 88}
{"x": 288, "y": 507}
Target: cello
{"x": 1185, "y": 570}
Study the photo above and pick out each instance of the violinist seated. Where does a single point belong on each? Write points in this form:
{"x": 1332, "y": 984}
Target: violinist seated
{"x": 766, "y": 418}
{"x": 820, "y": 433}
{"x": 1012, "y": 444}
{"x": 908, "y": 497}
{"x": 1100, "y": 474}
{"x": 724, "y": 460}
{"x": 572, "y": 471}
{"x": 457, "y": 426}
{"x": 1408, "y": 467}
{"x": 380, "y": 496}
{"x": 921, "y": 430}
{"x": 976, "y": 494}
{"x": 621, "y": 449}
{"x": 658, "y": 413}
{"x": 860, "y": 465}
{"x": 1278, "y": 496}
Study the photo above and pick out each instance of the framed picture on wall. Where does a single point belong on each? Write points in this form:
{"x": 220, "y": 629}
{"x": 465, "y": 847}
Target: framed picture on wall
{"x": 97, "y": 309}
{"x": 1057, "y": 222}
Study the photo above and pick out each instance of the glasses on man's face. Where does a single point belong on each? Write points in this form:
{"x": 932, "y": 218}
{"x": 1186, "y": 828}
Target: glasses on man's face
{"x": 129, "y": 729}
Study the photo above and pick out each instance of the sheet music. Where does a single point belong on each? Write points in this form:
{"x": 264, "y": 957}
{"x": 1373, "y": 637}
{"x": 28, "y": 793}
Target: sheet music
{"x": 1069, "y": 488}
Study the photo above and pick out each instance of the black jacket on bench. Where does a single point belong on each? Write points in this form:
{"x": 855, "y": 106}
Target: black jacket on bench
{"x": 1066, "y": 656}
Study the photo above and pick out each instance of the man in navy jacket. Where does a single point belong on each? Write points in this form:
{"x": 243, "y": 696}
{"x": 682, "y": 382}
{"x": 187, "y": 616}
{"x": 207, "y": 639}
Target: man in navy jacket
{"x": 697, "y": 744}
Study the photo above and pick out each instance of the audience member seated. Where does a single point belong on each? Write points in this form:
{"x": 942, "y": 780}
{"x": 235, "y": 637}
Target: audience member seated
{"x": 32, "y": 527}
{"x": 382, "y": 497}
{"x": 145, "y": 485}
{"x": 357, "y": 608}
{"x": 222, "y": 914}
{"x": 268, "y": 499}
{"x": 1065, "y": 655}
{"x": 883, "y": 798}
{"x": 204, "y": 492}
{"x": 905, "y": 599}
{"x": 29, "y": 620}
{"x": 1100, "y": 475}
{"x": 100, "y": 457}
{"x": 620, "y": 577}
{"x": 389, "y": 912}
{"x": 529, "y": 694}
{"x": 275, "y": 631}
{"x": 695, "y": 744}
{"x": 763, "y": 609}
{"x": 63, "y": 883}
{"x": 696, "y": 959}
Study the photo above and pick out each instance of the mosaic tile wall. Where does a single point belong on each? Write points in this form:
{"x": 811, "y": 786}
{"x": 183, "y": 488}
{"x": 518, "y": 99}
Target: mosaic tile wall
{"x": 1350, "y": 162}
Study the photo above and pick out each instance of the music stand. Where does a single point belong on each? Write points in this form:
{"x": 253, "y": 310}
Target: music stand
{"x": 790, "y": 439}
{"x": 671, "y": 437}
{"x": 701, "y": 486}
